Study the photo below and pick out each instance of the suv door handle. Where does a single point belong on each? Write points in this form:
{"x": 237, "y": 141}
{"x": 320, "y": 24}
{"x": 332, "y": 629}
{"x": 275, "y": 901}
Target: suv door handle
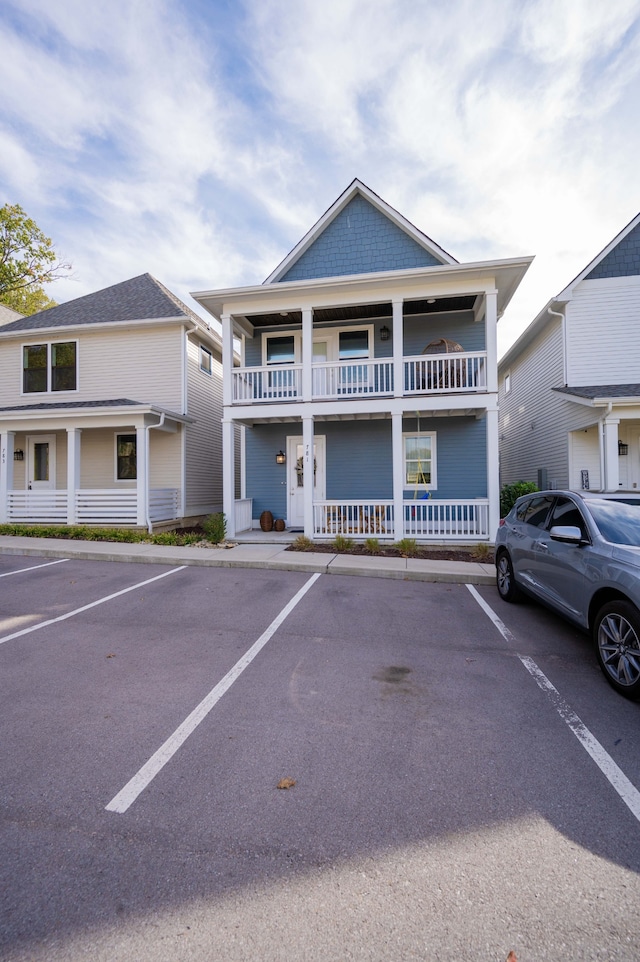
{"x": 542, "y": 545}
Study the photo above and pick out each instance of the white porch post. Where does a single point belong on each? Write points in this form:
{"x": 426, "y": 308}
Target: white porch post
{"x": 229, "y": 476}
{"x": 6, "y": 472}
{"x": 491, "y": 329}
{"x": 307, "y": 353}
{"x": 227, "y": 359}
{"x": 611, "y": 478}
{"x": 309, "y": 476}
{"x": 73, "y": 472}
{"x": 398, "y": 349}
{"x": 142, "y": 470}
{"x": 493, "y": 482}
{"x": 398, "y": 475}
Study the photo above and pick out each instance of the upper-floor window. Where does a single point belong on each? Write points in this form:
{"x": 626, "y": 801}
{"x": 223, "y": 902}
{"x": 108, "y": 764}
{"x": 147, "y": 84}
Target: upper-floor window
{"x": 507, "y": 382}
{"x": 49, "y": 367}
{"x": 353, "y": 344}
{"x": 281, "y": 350}
{"x": 206, "y": 360}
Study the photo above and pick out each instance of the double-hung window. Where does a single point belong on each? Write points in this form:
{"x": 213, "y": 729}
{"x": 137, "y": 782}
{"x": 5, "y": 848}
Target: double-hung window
{"x": 49, "y": 367}
{"x": 419, "y": 461}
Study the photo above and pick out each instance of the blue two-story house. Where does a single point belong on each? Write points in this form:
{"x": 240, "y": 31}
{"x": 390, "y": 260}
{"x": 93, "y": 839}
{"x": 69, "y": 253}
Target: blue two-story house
{"x": 366, "y": 400}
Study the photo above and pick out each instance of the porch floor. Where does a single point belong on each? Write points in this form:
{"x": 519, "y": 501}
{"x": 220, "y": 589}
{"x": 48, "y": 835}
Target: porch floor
{"x": 258, "y": 536}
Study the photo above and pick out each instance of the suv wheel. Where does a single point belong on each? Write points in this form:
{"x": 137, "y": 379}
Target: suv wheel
{"x": 617, "y": 636}
{"x": 505, "y": 581}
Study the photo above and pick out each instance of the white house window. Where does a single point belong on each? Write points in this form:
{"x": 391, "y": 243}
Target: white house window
{"x": 49, "y": 367}
{"x": 419, "y": 460}
{"x": 126, "y": 457}
{"x": 281, "y": 350}
{"x": 353, "y": 344}
{"x": 507, "y": 382}
{"x": 206, "y": 360}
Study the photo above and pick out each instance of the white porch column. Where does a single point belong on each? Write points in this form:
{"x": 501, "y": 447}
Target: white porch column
{"x": 611, "y": 479}
{"x": 227, "y": 359}
{"x": 229, "y": 477}
{"x": 6, "y": 472}
{"x": 307, "y": 441}
{"x": 493, "y": 480}
{"x": 73, "y": 472}
{"x": 307, "y": 353}
{"x": 491, "y": 335}
{"x": 397, "y": 452}
{"x": 142, "y": 471}
{"x": 398, "y": 349}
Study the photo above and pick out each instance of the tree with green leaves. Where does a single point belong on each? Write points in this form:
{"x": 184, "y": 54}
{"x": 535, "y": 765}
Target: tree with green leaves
{"x": 27, "y": 261}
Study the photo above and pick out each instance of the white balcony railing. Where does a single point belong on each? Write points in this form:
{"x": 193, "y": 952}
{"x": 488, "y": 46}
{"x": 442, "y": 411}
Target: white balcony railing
{"x": 425, "y": 374}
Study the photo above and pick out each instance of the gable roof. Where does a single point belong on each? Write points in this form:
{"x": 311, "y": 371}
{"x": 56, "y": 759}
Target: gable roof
{"x": 432, "y": 253}
{"x": 140, "y": 298}
{"x": 598, "y": 260}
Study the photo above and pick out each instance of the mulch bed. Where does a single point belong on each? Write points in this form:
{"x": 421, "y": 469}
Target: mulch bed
{"x": 429, "y": 554}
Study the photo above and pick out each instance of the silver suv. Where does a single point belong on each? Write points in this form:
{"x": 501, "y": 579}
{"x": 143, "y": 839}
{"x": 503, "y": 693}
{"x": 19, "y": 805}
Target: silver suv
{"x": 580, "y": 555}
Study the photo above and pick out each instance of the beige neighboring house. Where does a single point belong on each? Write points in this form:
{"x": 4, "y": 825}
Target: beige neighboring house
{"x": 110, "y": 411}
{"x": 7, "y": 314}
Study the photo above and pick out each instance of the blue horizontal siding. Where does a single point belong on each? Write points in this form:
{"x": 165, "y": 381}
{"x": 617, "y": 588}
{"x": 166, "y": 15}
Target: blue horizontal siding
{"x": 420, "y": 330}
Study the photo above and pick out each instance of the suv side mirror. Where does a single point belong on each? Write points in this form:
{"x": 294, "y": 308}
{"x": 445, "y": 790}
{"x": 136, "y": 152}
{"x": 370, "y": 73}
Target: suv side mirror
{"x": 567, "y": 533}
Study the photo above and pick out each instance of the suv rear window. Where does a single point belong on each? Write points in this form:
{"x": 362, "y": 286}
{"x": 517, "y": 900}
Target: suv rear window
{"x": 536, "y": 511}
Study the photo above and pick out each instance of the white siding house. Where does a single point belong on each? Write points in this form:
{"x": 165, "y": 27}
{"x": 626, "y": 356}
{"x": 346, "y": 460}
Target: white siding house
{"x": 110, "y": 410}
{"x": 570, "y": 385}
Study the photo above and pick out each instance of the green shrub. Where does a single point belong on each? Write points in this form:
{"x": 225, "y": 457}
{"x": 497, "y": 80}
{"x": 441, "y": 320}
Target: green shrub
{"x": 373, "y": 546}
{"x": 511, "y": 492}
{"x": 302, "y": 543}
{"x": 407, "y": 547}
{"x": 340, "y": 543}
{"x": 166, "y": 537}
{"x": 215, "y": 527}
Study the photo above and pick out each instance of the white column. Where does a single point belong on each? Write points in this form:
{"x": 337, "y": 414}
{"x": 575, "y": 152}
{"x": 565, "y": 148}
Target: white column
{"x": 6, "y": 472}
{"x": 491, "y": 335}
{"x": 229, "y": 477}
{"x": 142, "y": 469}
{"x": 307, "y": 442}
{"x": 397, "y": 450}
{"x": 307, "y": 353}
{"x": 611, "y": 480}
{"x": 227, "y": 359}
{"x": 493, "y": 464}
{"x": 73, "y": 472}
{"x": 398, "y": 349}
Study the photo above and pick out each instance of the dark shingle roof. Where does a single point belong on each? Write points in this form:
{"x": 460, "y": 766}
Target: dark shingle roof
{"x": 55, "y": 405}
{"x": 602, "y": 390}
{"x": 140, "y": 298}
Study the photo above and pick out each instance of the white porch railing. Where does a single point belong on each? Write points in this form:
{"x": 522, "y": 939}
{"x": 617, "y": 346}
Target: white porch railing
{"x": 366, "y": 519}
{"x": 37, "y": 507}
{"x": 244, "y": 514}
{"x": 446, "y": 520}
{"x": 348, "y": 379}
{"x": 444, "y": 373}
{"x": 163, "y": 504}
{"x": 271, "y": 383}
{"x": 107, "y": 506}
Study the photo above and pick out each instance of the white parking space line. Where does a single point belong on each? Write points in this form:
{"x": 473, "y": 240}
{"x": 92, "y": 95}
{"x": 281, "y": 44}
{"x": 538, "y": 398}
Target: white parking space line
{"x": 20, "y": 571}
{"x": 92, "y": 604}
{"x": 615, "y": 776}
{"x": 125, "y": 798}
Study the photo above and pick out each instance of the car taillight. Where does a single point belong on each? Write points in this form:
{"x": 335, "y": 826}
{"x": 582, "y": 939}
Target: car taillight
{"x": 501, "y": 523}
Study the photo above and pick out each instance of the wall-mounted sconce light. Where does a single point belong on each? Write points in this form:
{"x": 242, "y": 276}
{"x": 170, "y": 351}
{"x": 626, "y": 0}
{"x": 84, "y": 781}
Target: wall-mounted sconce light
{"x": 18, "y": 455}
{"x": 281, "y": 458}
{"x": 622, "y": 448}
{"x": 385, "y": 333}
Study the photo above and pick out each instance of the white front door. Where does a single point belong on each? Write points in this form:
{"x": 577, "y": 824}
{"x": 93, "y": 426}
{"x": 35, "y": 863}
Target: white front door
{"x": 296, "y": 479}
{"x": 41, "y": 461}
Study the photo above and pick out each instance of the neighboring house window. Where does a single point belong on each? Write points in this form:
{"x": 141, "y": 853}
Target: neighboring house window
{"x": 507, "y": 382}
{"x": 206, "y": 360}
{"x": 49, "y": 367}
{"x": 419, "y": 460}
{"x": 126, "y": 457}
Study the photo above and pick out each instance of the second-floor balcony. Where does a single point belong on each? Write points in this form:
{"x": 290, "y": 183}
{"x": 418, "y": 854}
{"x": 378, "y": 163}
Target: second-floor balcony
{"x": 422, "y": 375}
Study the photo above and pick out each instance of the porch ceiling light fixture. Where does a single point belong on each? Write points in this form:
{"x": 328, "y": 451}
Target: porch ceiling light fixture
{"x": 385, "y": 333}
{"x": 281, "y": 458}
{"x": 622, "y": 448}
{"x": 18, "y": 455}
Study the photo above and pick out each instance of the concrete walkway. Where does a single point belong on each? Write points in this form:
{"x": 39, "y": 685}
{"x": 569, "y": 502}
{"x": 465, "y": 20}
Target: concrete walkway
{"x": 255, "y": 556}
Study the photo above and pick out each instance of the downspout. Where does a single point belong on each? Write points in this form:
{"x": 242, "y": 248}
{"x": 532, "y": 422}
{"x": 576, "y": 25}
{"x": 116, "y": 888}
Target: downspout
{"x": 564, "y": 342}
{"x": 146, "y": 492}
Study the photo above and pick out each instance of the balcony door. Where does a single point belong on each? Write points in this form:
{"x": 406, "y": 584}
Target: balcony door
{"x": 296, "y": 479}
{"x": 41, "y": 462}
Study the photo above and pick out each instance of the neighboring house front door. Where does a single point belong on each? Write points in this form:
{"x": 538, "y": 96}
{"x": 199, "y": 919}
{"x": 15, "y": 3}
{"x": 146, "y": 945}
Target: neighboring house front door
{"x": 41, "y": 466}
{"x": 296, "y": 479}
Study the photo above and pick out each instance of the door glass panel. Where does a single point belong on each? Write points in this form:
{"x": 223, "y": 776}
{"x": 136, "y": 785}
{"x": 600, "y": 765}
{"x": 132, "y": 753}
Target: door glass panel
{"x": 41, "y": 461}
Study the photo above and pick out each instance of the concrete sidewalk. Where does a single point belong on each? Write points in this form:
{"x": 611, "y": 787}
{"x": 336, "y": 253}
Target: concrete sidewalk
{"x": 255, "y": 556}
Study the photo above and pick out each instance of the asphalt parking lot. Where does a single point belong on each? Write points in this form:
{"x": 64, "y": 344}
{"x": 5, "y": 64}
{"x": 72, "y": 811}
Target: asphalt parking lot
{"x": 466, "y": 783}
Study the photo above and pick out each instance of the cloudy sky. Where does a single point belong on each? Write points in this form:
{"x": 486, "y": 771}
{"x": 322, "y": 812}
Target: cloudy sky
{"x": 199, "y": 140}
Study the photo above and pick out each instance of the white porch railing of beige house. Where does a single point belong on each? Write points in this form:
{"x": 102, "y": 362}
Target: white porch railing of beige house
{"x": 450, "y": 520}
{"x": 423, "y": 520}
{"x": 444, "y": 373}
{"x": 106, "y": 506}
{"x": 339, "y": 380}
{"x": 425, "y": 374}
{"x": 244, "y": 513}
